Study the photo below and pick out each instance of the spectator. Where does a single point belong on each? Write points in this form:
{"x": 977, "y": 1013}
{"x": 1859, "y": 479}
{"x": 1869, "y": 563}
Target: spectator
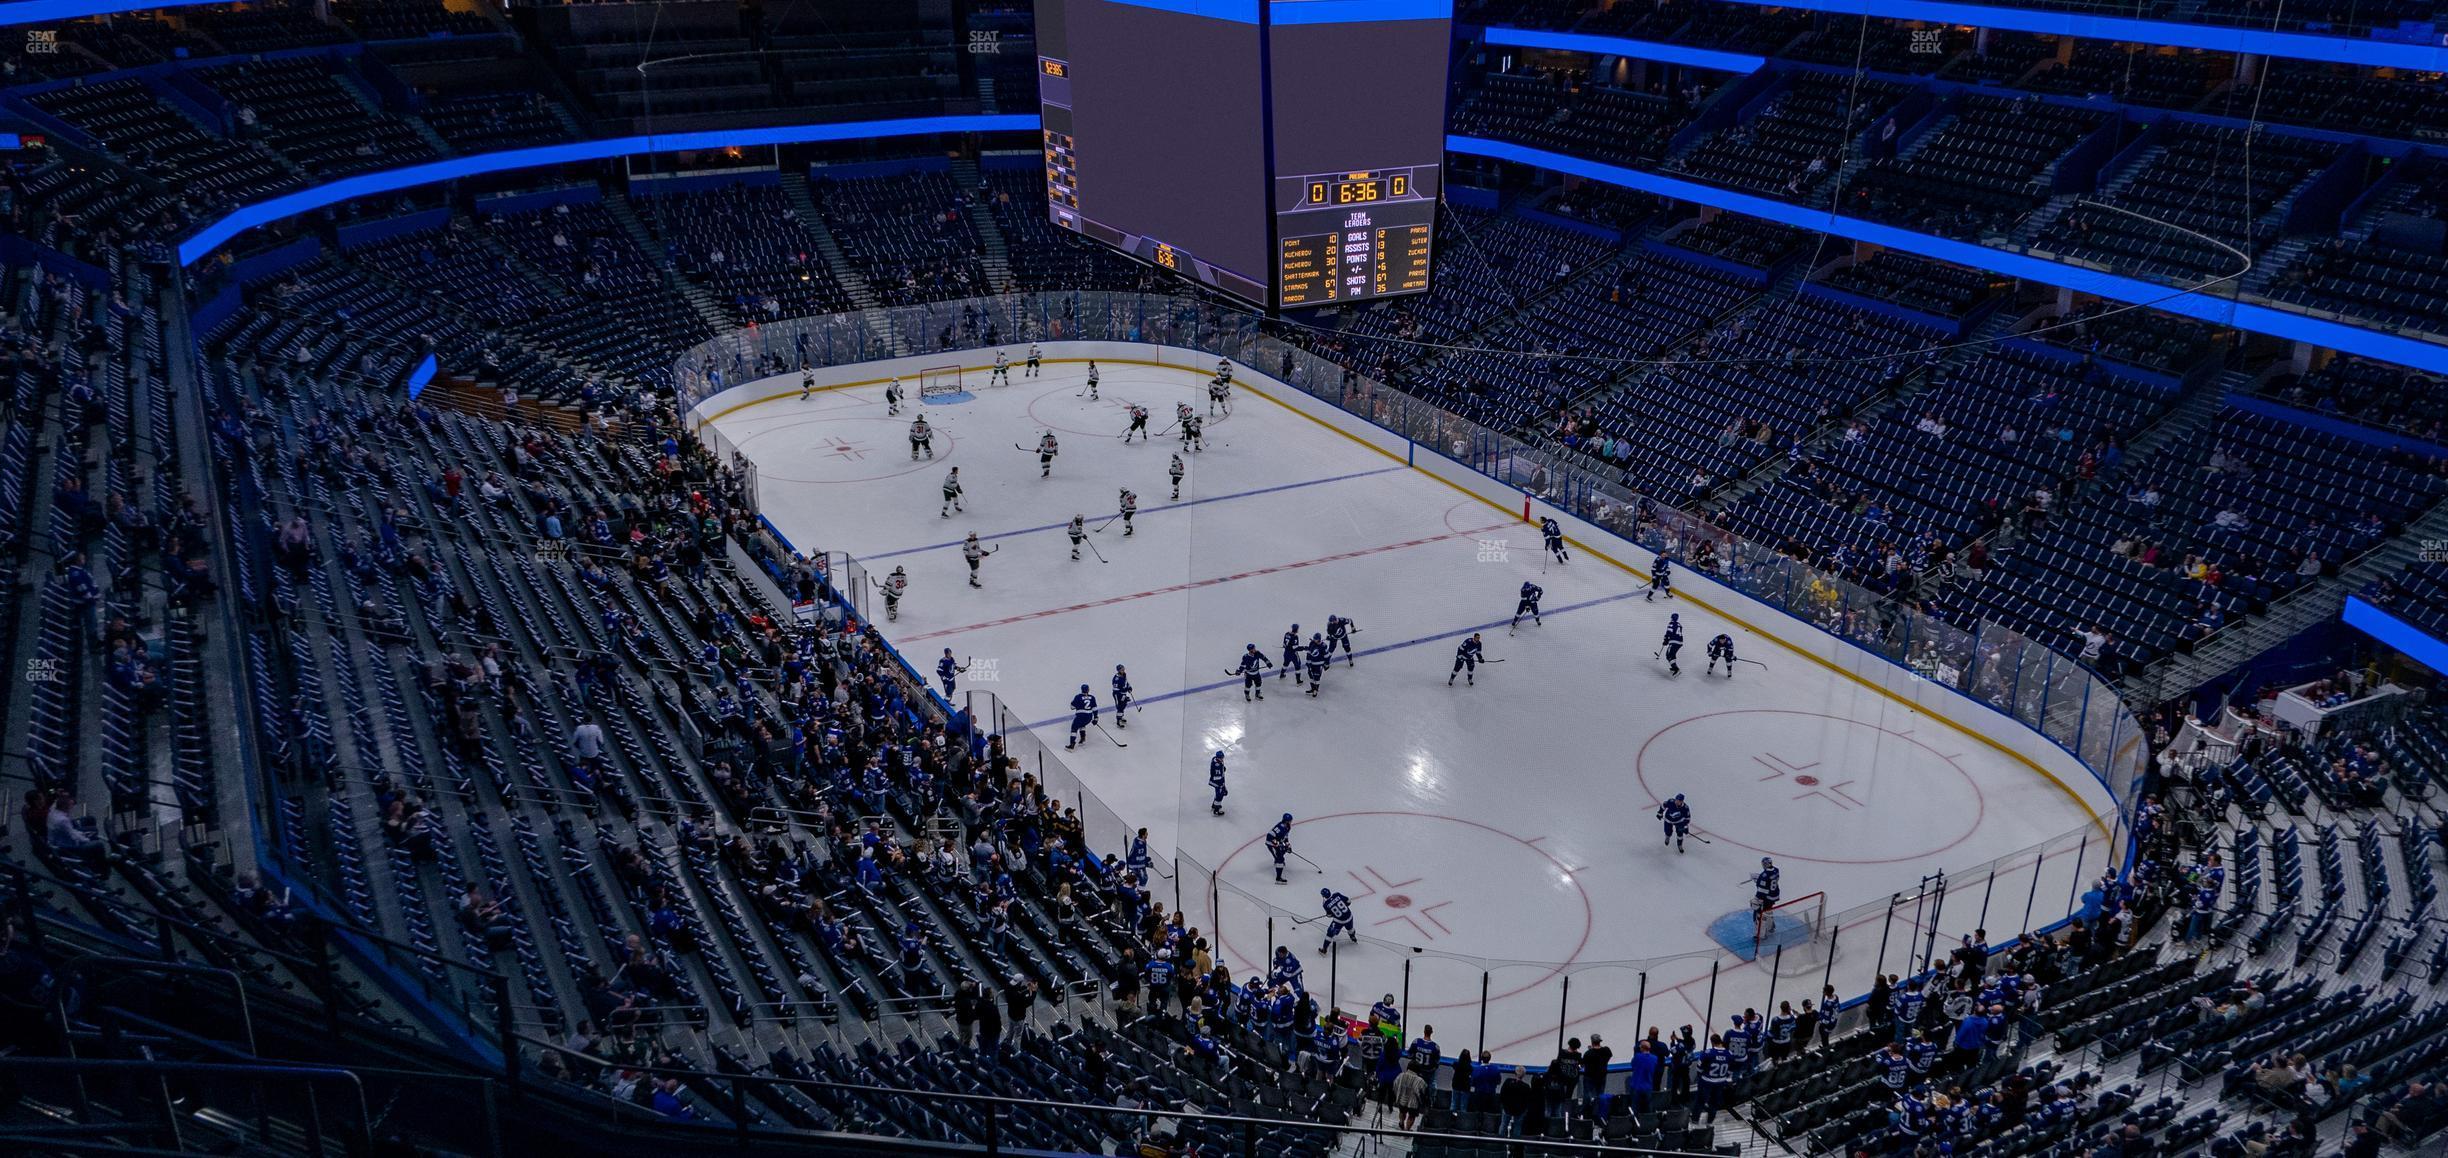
{"x": 1410, "y": 1093}
{"x": 1515, "y": 1099}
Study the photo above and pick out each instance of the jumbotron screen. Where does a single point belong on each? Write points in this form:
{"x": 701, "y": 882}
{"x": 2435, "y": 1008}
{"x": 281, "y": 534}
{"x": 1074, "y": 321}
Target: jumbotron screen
{"x": 1286, "y": 152}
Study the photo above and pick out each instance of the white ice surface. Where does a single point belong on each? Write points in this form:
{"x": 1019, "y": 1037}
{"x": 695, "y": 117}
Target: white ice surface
{"x": 1508, "y": 820}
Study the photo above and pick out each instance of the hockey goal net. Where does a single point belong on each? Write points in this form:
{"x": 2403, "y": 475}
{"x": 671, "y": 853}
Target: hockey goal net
{"x": 1794, "y": 933}
{"x": 937, "y": 381}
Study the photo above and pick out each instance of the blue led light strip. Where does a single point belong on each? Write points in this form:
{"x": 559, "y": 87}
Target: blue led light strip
{"x": 2206, "y": 306}
{"x": 2365, "y": 51}
{"x": 2420, "y": 646}
{"x": 239, "y": 220}
{"x": 1734, "y": 62}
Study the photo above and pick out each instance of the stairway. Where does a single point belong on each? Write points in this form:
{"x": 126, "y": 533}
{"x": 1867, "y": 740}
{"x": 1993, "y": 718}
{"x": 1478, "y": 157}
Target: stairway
{"x": 2188, "y": 416}
{"x": 2274, "y": 261}
{"x": 708, "y": 308}
{"x": 994, "y": 253}
{"x": 854, "y": 283}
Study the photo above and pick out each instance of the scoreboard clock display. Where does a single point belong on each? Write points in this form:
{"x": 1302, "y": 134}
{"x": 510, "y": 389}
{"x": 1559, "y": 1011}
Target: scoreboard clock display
{"x": 1354, "y": 235}
{"x": 1231, "y": 179}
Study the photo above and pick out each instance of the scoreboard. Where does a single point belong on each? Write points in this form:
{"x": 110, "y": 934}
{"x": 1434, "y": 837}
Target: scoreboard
{"x": 1353, "y": 235}
{"x": 1285, "y": 152}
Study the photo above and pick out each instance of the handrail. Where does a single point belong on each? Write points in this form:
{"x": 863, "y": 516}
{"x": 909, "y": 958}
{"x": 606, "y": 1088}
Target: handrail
{"x": 301, "y": 1073}
{"x": 1245, "y": 1124}
{"x": 246, "y": 1014}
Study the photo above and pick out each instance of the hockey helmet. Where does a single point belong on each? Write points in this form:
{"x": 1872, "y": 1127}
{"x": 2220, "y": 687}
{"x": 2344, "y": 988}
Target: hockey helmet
{"x": 1325, "y": 892}
{"x": 1287, "y": 816}
{"x": 1083, "y": 687}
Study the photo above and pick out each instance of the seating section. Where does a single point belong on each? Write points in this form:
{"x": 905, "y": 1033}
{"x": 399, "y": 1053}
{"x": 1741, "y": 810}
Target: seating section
{"x": 309, "y": 112}
{"x": 1681, "y": 432}
{"x": 909, "y": 235}
{"x": 2381, "y": 276}
{"x": 1916, "y": 283}
{"x": 2136, "y": 74}
{"x": 1552, "y": 111}
{"x": 1796, "y": 141}
{"x": 1894, "y": 498}
{"x": 2373, "y": 392}
{"x": 747, "y": 245}
{"x": 1978, "y": 171}
{"x": 1043, "y": 255}
{"x": 484, "y": 121}
{"x": 2295, "y": 92}
{"x": 209, "y": 172}
{"x": 2198, "y": 539}
{"x": 2192, "y": 181}
{"x": 2144, "y": 339}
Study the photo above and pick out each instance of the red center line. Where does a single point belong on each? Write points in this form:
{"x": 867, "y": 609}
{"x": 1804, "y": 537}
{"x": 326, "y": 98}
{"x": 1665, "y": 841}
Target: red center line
{"x": 1195, "y": 584}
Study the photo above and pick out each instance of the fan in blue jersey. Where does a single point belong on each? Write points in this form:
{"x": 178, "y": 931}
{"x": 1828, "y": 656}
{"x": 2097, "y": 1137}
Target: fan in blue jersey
{"x": 1338, "y": 635}
{"x": 1338, "y": 918}
{"x": 1314, "y": 658}
{"x": 1671, "y": 648}
{"x": 1291, "y": 655}
{"x": 1528, "y": 604}
{"x": 1661, "y": 580}
{"x": 1279, "y": 844}
{"x": 1253, "y": 682}
{"x": 1121, "y": 696}
{"x": 1466, "y": 660}
{"x": 1083, "y": 713}
{"x": 1676, "y": 816}
{"x": 1215, "y": 780}
{"x": 1715, "y": 1073}
{"x": 946, "y": 668}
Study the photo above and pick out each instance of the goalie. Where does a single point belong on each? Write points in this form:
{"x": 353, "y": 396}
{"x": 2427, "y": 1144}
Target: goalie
{"x": 1766, "y": 889}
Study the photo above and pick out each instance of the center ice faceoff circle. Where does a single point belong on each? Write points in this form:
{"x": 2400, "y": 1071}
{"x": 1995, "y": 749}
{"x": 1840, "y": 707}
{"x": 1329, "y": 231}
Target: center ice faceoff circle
{"x": 1438, "y": 884}
{"x": 1813, "y": 786}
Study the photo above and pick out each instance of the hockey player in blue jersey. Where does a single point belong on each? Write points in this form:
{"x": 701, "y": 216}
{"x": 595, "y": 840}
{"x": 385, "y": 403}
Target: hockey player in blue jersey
{"x": 946, "y": 668}
{"x": 1314, "y": 659}
{"x": 1661, "y": 579}
{"x": 1121, "y": 696}
{"x": 1253, "y": 682}
{"x": 1338, "y": 635}
{"x": 1466, "y": 659}
{"x": 1671, "y": 648}
{"x": 1215, "y": 780}
{"x": 1138, "y": 860}
{"x": 1721, "y": 649}
{"x": 1291, "y": 655}
{"x": 1677, "y": 817}
{"x": 1528, "y": 605}
{"x": 1767, "y": 888}
{"x": 1285, "y": 969}
{"x": 1083, "y": 713}
{"x": 1338, "y": 918}
{"x": 1279, "y": 845}
{"x": 1554, "y": 537}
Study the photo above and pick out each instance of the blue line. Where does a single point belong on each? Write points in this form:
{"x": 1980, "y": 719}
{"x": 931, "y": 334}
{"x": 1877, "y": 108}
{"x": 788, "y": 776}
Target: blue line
{"x": 1150, "y": 511}
{"x": 1141, "y": 701}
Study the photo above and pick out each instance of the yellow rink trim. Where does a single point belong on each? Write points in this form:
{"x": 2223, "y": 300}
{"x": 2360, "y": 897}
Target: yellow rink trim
{"x": 1822, "y": 661}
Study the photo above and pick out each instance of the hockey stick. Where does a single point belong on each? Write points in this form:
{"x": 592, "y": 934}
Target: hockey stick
{"x": 1762, "y": 666}
{"x": 1107, "y": 523}
{"x": 1483, "y": 659}
{"x": 1306, "y": 861}
{"x": 1091, "y": 545}
{"x": 1108, "y": 735}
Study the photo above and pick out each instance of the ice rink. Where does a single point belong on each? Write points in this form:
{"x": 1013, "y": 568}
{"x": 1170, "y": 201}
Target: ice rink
{"x": 1510, "y": 821}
